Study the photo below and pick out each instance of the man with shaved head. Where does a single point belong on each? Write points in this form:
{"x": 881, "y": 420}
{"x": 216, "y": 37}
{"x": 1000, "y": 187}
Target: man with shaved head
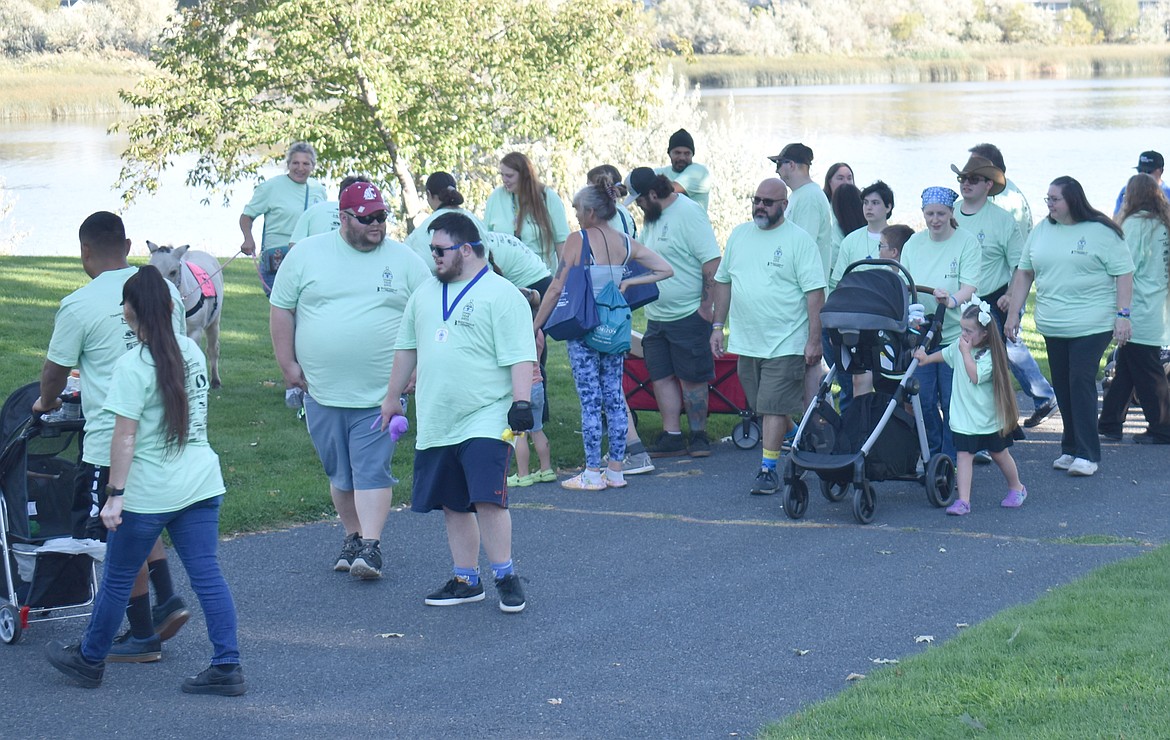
{"x": 769, "y": 290}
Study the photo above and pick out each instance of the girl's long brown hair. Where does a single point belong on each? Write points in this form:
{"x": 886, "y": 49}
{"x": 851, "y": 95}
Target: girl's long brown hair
{"x": 147, "y": 295}
{"x": 1006, "y": 410}
{"x": 530, "y": 202}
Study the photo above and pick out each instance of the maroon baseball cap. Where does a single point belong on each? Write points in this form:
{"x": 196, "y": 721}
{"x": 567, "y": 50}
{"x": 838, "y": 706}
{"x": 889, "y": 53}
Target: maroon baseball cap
{"x": 363, "y": 199}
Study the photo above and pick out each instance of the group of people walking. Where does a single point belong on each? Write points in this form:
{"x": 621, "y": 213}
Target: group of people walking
{"x": 455, "y": 315}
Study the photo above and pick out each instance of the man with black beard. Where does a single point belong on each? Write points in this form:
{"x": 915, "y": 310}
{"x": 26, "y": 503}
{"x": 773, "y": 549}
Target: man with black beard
{"x": 770, "y": 287}
{"x": 678, "y": 324}
{"x": 469, "y": 334}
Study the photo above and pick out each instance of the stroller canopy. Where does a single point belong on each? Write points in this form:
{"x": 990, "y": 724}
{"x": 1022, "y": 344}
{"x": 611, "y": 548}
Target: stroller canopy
{"x": 868, "y": 299}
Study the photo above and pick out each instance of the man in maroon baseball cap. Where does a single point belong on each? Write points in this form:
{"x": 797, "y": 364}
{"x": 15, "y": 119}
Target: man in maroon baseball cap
{"x": 336, "y": 305}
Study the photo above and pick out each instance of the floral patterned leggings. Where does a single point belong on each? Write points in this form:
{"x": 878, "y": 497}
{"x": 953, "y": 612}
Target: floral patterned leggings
{"x": 599, "y": 384}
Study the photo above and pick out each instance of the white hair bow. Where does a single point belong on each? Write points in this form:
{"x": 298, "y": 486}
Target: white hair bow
{"x": 984, "y": 310}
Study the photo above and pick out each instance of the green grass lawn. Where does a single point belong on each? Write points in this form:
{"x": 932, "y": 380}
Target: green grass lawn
{"x": 1090, "y": 659}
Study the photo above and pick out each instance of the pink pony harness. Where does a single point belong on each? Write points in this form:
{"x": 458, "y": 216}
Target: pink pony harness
{"x": 206, "y": 287}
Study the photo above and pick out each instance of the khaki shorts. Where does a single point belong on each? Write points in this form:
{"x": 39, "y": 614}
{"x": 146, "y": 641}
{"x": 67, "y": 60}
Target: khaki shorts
{"x": 773, "y": 386}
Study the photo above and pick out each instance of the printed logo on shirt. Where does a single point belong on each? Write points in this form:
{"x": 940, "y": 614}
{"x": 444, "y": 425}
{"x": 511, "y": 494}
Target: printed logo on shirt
{"x": 777, "y": 258}
{"x": 465, "y": 318}
{"x": 387, "y": 285}
{"x": 953, "y": 271}
{"x": 979, "y": 236}
{"x": 1081, "y": 247}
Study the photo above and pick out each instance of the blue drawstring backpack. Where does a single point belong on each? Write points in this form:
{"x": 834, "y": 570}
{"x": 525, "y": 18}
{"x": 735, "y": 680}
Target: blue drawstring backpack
{"x": 611, "y": 336}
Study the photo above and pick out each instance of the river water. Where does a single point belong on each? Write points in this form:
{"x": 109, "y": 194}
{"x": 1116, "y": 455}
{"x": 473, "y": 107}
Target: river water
{"x": 57, "y": 172}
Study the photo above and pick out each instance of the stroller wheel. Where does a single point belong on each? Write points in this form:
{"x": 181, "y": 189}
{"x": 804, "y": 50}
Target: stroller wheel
{"x": 746, "y": 434}
{"x": 864, "y": 502}
{"x": 795, "y": 499}
{"x": 9, "y": 624}
{"x": 834, "y": 491}
{"x": 940, "y": 480}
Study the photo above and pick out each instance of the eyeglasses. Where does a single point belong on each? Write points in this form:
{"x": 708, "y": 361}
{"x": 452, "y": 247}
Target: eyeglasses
{"x": 781, "y": 162}
{"x": 1050, "y": 201}
{"x": 973, "y": 179}
{"x": 882, "y": 245}
{"x": 380, "y": 217}
{"x": 767, "y": 202}
{"x": 439, "y": 251}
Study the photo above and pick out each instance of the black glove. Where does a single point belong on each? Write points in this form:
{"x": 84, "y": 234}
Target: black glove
{"x": 520, "y": 416}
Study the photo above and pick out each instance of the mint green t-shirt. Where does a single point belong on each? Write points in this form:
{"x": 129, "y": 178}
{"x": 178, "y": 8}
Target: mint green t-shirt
{"x": 1014, "y": 202}
{"x": 465, "y": 363}
{"x": 419, "y": 240}
{"x": 516, "y": 261}
{"x": 770, "y": 271}
{"x": 860, "y": 244}
{"x": 695, "y": 180}
{"x": 281, "y": 201}
{"x": 321, "y": 218}
{"x": 348, "y": 306}
{"x": 972, "y": 404}
{"x": 89, "y": 333}
{"x": 162, "y": 478}
{"x": 499, "y": 214}
{"x": 1000, "y": 244}
{"x": 1149, "y": 248}
{"x": 684, "y": 238}
{"x": 948, "y": 265}
{"x": 1075, "y": 274}
{"x": 809, "y": 209}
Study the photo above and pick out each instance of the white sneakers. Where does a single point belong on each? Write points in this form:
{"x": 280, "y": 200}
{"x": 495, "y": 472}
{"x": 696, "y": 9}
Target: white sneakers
{"x": 1082, "y": 467}
{"x": 1078, "y": 466}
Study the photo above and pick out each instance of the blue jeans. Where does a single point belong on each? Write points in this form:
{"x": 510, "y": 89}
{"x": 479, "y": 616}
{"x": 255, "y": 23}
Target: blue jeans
{"x": 1023, "y": 365}
{"x": 934, "y": 391}
{"x": 195, "y": 532}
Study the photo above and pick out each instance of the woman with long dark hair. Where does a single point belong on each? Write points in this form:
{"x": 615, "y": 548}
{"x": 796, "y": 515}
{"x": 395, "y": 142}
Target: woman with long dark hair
{"x": 527, "y": 208}
{"x": 163, "y": 475}
{"x": 848, "y": 216}
{"x": 1145, "y": 219}
{"x": 837, "y": 175}
{"x": 1084, "y": 282}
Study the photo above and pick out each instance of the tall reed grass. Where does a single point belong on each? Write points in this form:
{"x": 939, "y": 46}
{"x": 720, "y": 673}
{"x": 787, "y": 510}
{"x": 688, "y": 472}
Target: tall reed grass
{"x": 966, "y": 65}
{"x": 65, "y": 86}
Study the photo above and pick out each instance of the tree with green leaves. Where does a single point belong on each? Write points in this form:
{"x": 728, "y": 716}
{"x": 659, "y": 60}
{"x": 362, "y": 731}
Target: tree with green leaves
{"x": 1116, "y": 19}
{"x": 393, "y": 88}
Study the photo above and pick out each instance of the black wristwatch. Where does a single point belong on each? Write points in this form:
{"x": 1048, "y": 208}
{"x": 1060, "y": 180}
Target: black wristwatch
{"x": 111, "y": 491}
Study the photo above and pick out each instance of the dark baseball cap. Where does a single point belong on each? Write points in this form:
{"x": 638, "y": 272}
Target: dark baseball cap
{"x": 1150, "y": 161}
{"x": 640, "y": 182}
{"x": 798, "y": 153}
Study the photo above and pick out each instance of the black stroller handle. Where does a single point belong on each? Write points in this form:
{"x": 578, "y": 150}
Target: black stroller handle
{"x": 881, "y": 262}
{"x": 934, "y": 334}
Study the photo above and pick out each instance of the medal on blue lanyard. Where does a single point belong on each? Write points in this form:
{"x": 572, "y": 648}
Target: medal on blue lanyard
{"x": 443, "y": 333}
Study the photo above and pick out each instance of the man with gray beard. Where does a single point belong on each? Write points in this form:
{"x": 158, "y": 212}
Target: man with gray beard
{"x": 769, "y": 289}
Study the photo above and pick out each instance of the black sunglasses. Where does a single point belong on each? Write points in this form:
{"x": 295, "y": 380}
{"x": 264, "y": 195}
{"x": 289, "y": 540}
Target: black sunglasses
{"x": 766, "y": 202}
{"x": 973, "y": 179}
{"x": 439, "y": 251}
{"x": 380, "y": 217}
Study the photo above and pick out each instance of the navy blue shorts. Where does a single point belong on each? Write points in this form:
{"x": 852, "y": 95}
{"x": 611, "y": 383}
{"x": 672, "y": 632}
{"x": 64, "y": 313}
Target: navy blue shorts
{"x": 457, "y": 477}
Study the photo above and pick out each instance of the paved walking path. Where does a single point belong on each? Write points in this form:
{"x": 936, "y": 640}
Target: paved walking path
{"x": 673, "y": 608}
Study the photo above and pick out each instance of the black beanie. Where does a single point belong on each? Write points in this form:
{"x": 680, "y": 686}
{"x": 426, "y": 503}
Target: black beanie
{"x": 681, "y": 138}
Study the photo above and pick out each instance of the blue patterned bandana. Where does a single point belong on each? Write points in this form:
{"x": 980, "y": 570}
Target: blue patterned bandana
{"x": 944, "y": 196}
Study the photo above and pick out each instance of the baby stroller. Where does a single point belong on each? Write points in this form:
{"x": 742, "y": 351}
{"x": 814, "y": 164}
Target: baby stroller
{"x": 876, "y": 439}
{"x": 47, "y": 574}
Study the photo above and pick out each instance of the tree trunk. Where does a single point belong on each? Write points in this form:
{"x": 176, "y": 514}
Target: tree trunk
{"x": 411, "y": 206}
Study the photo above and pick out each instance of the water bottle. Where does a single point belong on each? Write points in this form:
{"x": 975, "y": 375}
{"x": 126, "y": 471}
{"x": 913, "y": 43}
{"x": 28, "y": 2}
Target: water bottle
{"x": 71, "y": 396}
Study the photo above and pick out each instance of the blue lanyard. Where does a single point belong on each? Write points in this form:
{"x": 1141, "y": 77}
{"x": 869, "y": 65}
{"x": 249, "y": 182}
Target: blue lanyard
{"x": 448, "y": 311}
